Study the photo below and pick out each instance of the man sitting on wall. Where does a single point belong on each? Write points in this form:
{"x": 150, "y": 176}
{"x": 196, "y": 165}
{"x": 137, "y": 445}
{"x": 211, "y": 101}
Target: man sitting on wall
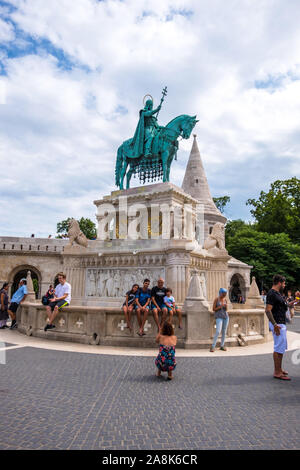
{"x": 18, "y": 297}
{"x": 61, "y": 299}
{"x": 157, "y": 295}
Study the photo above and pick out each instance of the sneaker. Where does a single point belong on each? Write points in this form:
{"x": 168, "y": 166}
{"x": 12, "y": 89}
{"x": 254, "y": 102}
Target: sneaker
{"x": 13, "y": 325}
{"x": 222, "y": 348}
{"x": 212, "y": 349}
{"x": 50, "y": 327}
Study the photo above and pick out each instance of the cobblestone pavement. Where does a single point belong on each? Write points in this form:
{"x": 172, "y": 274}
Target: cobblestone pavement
{"x": 67, "y": 400}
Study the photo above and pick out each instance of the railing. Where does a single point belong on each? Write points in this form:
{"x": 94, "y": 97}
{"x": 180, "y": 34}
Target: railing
{"x": 32, "y": 244}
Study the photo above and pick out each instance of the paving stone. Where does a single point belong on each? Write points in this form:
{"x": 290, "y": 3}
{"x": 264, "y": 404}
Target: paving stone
{"x": 65, "y": 400}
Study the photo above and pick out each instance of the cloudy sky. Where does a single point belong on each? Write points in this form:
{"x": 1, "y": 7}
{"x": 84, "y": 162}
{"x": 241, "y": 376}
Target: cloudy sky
{"x": 73, "y": 74}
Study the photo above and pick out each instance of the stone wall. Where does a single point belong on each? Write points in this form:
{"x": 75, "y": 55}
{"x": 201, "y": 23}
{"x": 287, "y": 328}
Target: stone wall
{"x": 106, "y": 326}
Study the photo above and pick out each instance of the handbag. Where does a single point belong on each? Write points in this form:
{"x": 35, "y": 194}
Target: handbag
{"x": 45, "y": 300}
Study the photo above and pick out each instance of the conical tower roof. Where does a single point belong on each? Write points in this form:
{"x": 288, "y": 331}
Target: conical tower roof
{"x": 195, "y": 181}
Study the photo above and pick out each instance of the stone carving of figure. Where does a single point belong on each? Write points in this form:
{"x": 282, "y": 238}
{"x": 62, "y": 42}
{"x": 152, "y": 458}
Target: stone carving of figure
{"x": 216, "y": 239}
{"x": 203, "y": 285}
{"x": 75, "y": 234}
{"x": 91, "y": 287}
{"x": 117, "y": 281}
{"x": 109, "y": 287}
{"x": 101, "y": 283}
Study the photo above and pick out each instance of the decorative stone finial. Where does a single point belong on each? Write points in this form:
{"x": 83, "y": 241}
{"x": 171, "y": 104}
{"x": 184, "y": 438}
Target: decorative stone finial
{"x": 254, "y": 299}
{"x": 31, "y": 294}
{"x": 195, "y": 291}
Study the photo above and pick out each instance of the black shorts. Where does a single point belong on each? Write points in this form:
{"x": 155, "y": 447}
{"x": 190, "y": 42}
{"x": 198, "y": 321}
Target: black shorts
{"x": 59, "y": 303}
{"x": 130, "y": 305}
{"x": 13, "y": 307}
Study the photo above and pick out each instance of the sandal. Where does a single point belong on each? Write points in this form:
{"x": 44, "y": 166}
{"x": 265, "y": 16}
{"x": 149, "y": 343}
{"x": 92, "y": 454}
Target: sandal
{"x": 282, "y": 377}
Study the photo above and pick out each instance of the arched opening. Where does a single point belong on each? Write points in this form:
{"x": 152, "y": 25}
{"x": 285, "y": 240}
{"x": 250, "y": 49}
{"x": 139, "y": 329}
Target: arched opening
{"x": 237, "y": 290}
{"x": 19, "y": 273}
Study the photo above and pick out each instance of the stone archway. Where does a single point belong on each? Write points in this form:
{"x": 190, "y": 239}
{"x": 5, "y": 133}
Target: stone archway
{"x": 21, "y": 272}
{"x": 237, "y": 288}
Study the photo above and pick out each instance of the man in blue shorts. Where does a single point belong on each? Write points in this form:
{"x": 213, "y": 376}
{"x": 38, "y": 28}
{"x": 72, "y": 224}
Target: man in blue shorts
{"x": 18, "y": 297}
{"x": 142, "y": 298}
{"x": 276, "y": 308}
{"x": 157, "y": 295}
{"x": 61, "y": 299}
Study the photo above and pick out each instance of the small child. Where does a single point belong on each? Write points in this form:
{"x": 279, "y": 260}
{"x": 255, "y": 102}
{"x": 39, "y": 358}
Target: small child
{"x": 165, "y": 361}
{"x": 129, "y": 305}
{"x": 169, "y": 302}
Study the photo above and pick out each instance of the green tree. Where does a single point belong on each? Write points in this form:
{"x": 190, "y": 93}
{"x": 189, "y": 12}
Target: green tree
{"x": 278, "y": 210}
{"x": 87, "y": 226}
{"x": 233, "y": 226}
{"x": 35, "y": 283}
{"x": 269, "y": 254}
{"x": 221, "y": 202}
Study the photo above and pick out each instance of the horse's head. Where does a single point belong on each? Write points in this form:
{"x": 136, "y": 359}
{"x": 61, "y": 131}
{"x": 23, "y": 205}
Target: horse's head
{"x": 187, "y": 125}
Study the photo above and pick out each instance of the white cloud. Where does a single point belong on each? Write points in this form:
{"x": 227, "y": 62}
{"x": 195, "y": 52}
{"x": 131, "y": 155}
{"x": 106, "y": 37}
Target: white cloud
{"x": 6, "y": 31}
{"x": 236, "y": 66}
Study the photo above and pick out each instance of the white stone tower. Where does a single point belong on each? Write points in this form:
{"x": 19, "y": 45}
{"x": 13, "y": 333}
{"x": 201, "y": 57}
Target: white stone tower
{"x": 195, "y": 183}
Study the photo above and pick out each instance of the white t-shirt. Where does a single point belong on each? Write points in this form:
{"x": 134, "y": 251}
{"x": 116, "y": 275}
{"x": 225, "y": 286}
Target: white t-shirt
{"x": 169, "y": 300}
{"x": 62, "y": 289}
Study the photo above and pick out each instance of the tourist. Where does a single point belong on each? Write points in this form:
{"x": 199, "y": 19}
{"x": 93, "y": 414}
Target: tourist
{"x": 290, "y": 300}
{"x": 276, "y": 308}
{"x": 222, "y": 319}
{"x": 142, "y": 298}
{"x": 157, "y": 296}
{"x": 48, "y": 296}
{"x": 18, "y": 297}
{"x": 3, "y": 305}
{"x": 172, "y": 308}
{"x": 264, "y": 296}
{"x": 62, "y": 298}
{"x": 165, "y": 361}
{"x": 129, "y": 305}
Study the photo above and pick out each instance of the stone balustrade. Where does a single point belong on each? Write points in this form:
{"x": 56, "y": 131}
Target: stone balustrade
{"x": 25, "y": 244}
{"x": 106, "y": 326}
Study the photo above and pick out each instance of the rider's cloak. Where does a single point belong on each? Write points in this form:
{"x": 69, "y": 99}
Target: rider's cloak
{"x": 137, "y": 143}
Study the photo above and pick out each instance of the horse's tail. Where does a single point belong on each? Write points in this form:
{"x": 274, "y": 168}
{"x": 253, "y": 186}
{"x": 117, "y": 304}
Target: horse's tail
{"x": 119, "y": 165}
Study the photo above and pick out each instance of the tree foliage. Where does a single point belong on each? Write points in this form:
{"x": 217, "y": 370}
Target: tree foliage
{"x": 221, "y": 202}
{"x": 87, "y": 226}
{"x": 278, "y": 210}
{"x": 269, "y": 254}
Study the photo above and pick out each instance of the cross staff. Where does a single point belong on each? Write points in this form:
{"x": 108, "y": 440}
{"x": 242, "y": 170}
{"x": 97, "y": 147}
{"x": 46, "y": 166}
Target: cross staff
{"x": 164, "y": 93}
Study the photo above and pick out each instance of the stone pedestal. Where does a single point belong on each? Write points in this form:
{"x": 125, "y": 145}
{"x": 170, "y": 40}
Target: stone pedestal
{"x": 197, "y": 313}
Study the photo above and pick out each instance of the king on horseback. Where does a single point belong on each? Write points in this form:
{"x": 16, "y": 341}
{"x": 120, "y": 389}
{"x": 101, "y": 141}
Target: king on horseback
{"x": 146, "y": 130}
{"x": 150, "y": 152}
